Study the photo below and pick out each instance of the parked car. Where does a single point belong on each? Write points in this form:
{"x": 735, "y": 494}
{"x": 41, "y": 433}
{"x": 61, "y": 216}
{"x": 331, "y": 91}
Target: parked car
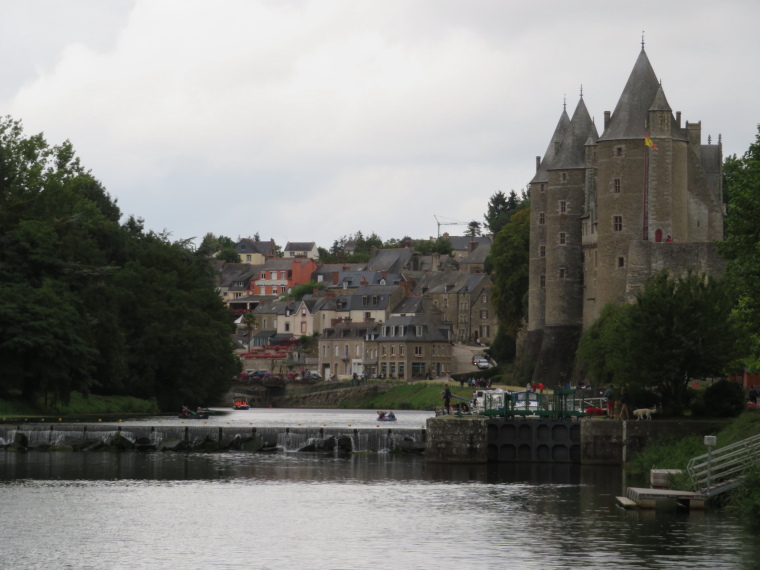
{"x": 483, "y": 364}
{"x": 476, "y": 358}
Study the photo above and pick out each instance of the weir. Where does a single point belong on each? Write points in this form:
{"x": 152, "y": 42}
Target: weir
{"x": 287, "y": 439}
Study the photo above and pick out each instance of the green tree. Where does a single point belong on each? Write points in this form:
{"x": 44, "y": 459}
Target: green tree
{"x": 676, "y": 330}
{"x": 299, "y": 291}
{"x": 251, "y": 323}
{"x": 508, "y": 260}
{"x": 741, "y": 184}
{"x": 501, "y": 208}
{"x": 473, "y": 229}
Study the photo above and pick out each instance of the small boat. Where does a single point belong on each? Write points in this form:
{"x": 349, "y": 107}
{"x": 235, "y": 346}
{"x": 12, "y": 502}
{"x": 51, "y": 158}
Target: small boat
{"x": 240, "y": 404}
{"x": 386, "y": 417}
{"x": 190, "y": 415}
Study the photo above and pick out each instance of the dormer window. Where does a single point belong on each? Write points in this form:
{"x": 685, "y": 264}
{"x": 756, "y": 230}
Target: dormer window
{"x": 418, "y": 330}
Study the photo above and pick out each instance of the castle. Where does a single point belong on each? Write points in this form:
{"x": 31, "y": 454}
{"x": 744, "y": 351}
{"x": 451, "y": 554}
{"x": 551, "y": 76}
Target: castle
{"x": 608, "y": 212}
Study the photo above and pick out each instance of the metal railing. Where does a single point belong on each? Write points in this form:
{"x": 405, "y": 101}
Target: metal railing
{"x": 721, "y": 469}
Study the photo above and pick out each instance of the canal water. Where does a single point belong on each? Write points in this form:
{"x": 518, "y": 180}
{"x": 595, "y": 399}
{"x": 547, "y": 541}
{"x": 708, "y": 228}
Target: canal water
{"x": 293, "y": 510}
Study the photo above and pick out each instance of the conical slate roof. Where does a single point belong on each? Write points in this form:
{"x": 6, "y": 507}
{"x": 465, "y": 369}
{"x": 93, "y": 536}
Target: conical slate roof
{"x": 572, "y": 152}
{"x": 627, "y": 120}
{"x": 551, "y": 153}
{"x": 660, "y": 102}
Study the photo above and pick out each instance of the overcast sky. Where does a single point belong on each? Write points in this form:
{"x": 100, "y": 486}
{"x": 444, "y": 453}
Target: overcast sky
{"x": 309, "y": 120}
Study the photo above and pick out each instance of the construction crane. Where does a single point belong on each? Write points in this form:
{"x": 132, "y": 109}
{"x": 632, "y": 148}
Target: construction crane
{"x": 450, "y": 222}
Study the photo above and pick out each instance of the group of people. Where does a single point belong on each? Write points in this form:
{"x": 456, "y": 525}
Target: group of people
{"x": 475, "y": 382}
{"x": 187, "y": 412}
{"x": 383, "y": 415}
{"x": 609, "y": 399}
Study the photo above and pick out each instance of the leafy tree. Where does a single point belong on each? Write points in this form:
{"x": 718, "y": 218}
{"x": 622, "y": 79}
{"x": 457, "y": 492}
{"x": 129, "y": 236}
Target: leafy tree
{"x": 508, "y": 260}
{"x": 676, "y": 330}
{"x": 473, "y": 229}
{"x": 299, "y": 291}
{"x": 213, "y": 245}
{"x": 228, "y": 254}
{"x": 251, "y": 323}
{"x": 501, "y": 209}
{"x": 741, "y": 183}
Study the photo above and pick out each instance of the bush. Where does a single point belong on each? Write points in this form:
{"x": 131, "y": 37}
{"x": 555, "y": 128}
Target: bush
{"x": 724, "y": 399}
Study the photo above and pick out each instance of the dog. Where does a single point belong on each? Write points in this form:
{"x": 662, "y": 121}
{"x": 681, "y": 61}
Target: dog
{"x": 644, "y": 413}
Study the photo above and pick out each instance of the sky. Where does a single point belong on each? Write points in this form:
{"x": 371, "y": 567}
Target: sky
{"x": 309, "y": 120}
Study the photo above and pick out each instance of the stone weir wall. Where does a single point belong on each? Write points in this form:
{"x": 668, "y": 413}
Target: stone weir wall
{"x": 475, "y": 439}
{"x": 105, "y": 437}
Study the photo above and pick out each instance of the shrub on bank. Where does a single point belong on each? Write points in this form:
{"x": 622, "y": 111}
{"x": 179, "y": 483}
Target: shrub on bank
{"x": 724, "y": 399}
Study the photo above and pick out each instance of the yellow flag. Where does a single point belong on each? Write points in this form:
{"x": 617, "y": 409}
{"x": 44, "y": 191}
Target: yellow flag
{"x": 648, "y": 141}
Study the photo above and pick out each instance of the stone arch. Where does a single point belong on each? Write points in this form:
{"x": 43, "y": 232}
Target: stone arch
{"x": 658, "y": 235}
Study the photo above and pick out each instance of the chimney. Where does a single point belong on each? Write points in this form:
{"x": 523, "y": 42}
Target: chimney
{"x": 606, "y": 119}
{"x": 678, "y": 119}
{"x": 436, "y": 261}
{"x": 335, "y": 278}
{"x": 538, "y": 162}
{"x": 472, "y": 246}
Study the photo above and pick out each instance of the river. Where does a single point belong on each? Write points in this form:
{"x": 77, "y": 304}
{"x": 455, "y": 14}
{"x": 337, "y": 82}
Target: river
{"x": 289, "y": 510}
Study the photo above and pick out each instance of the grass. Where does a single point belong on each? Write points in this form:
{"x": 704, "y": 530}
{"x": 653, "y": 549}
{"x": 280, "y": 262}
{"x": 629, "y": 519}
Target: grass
{"x": 80, "y": 405}
{"x": 418, "y": 396}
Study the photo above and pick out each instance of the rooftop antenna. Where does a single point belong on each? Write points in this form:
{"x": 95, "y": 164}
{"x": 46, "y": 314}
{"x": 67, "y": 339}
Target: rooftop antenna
{"x": 642, "y": 40}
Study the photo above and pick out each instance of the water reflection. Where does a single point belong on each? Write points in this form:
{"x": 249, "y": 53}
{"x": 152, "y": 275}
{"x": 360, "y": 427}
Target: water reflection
{"x": 232, "y": 510}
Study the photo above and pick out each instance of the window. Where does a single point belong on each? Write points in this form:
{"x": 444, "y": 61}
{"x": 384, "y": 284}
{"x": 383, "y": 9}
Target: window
{"x": 542, "y": 187}
{"x": 445, "y": 302}
{"x": 382, "y": 351}
{"x": 562, "y": 238}
{"x": 393, "y": 350}
{"x": 621, "y": 261}
{"x": 401, "y": 350}
{"x": 383, "y": 368}
{"x": 392, "y": 368}
{"x": 562, "y": 273}
{"x": 485, "y": 298}
{"x": 374, "y": 300}
{"x": 618, "y": 151}
{"x": 324, "y": 350}
{"x": 303, "y": 328}
{"x": 248, "y": 258}
{"x": 563, "y": 206}
{"x": 358, "y": 351}
{"x": 485, "y": 330}
{"x": 345, "y": 350}
{"x": 564, "y": 177}
{"x": 617, "y": 223}
{"x": 616, "y": 183}
{"x": 417, "y": 351}
{"x": 367, "y": 316}
{"x": 400, "y": 369}
{"x": 542, "y": 281}
{"x": 541, "y": 219}
{"x": 541, "y": 251}
{"x": 337, "y": 350}
{"x": 287, "y": 327}
{"x": 484, "y": 314}
{"x": 418, "y": 330}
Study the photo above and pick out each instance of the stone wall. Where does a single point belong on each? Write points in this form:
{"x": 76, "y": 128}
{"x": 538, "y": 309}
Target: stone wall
{"x": 452, "y": 439}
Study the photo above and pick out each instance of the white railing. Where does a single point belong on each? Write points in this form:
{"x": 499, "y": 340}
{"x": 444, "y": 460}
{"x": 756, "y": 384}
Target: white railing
{"x": 722, "y": 469}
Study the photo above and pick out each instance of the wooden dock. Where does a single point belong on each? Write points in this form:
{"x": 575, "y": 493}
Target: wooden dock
{"x": 647, "y": 498}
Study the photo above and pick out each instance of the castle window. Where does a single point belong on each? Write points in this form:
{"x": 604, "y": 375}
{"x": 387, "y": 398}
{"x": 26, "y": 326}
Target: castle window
{"x": 617, "y": 185}
{"x": 564, "y": 177}
{"x": 542, "y": 281}
{"x": 541, "y": 251}
{"x": 562, "y": 206}
{"x": 562, "y": 273}
{"x": 618, "y": 151}
{"x": 562, "y": 238}
{"x": 621, "y": 261}
{"x": 542, "y": 187}
{"x": 617, "y": 223}
{"x": 541, "y": 219}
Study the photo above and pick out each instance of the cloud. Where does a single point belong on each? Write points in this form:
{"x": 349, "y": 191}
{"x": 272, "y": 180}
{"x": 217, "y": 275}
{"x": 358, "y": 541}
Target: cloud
{"x": 315, "y": 119}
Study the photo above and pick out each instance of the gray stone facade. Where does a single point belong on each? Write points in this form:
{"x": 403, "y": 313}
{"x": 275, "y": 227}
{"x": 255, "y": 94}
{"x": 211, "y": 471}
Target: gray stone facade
{"x": 610, "y": 211}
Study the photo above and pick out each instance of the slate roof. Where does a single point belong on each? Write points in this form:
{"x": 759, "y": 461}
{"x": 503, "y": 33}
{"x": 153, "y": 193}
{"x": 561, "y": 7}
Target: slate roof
{"x": 300, "y": 246}
{"x": 405, "y": 329}
{"x": 448, "y": 282}
{"x": 234, "y": 272}
{"x": 462, "y": 243}
{"x": 572, "y": 151}
{"x": 478, "y": 255}
{"x": 627, "y": 120}
{"x": 391, "y": 260}
{"x": 354, "y": 278}
{"x": 551, "y": 151}
{"x": 247, "y": 245}
{"x": 349, "y": 330}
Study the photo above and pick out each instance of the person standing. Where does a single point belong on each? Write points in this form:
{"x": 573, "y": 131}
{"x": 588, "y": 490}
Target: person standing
{"x": 609, "y": 398}
{"x": 446, "y": 399}
{"x": 624, "y": 401}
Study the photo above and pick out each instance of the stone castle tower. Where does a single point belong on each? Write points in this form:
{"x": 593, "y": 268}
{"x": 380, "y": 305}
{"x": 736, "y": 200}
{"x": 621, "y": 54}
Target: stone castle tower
{"x": 608, "y": 212}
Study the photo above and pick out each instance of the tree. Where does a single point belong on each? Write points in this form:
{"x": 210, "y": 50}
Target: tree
{"x": 298, "y": 292}
{"x": 251, "y": 323}
{"x": 501, "y": 209}
{"x": 508, "y": 261}
{"x": 741, "y": 183}
{"x": 473, "y": 229}
{"x": 676, "y": 330}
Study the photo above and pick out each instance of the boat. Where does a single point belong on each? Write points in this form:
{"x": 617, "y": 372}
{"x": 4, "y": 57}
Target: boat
{"x": 386, "y": 416}
{"x": 190, "y": 415}
{"x": 240, "y": 403}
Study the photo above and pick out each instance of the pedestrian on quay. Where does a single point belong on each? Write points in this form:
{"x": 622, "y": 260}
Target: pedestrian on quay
{"x": 624, "y": 402}
{"x": 446, "y": 399}
{"x": 609, "y": 398}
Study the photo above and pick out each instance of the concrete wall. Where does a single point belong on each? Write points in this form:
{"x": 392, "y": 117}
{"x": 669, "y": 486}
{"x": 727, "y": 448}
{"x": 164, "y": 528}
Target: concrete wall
{"x": 612, "y": 442}
{"x": 534, "y": 440}
{"x": 451, "y": 439}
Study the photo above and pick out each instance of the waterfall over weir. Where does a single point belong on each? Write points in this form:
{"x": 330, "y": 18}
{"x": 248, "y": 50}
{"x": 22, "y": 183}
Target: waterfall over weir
{"x": 285, "y": 439}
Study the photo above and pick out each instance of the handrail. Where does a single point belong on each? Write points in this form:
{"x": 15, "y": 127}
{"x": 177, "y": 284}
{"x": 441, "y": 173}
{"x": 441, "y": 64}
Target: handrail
{"x": 722, "y": 468}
